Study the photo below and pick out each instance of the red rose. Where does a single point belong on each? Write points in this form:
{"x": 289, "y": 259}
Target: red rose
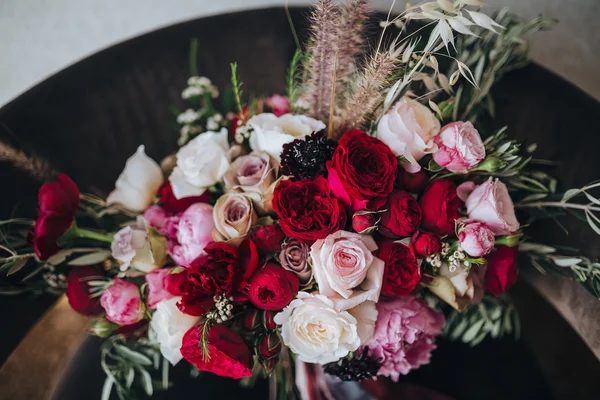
{"x": 364, "y": 221}
{"x": 502, "y": 269}
{"x": 440, "y": 205}
{"x": 307, "y": 210}
{"x": 402, "y": 215}
{"x": 413, "y": 183}
{"x": 268, "y": 238}
{"x": 362, "y": 171}
{"x": 78, "y": 290}
{"x": 401, "y": 274}
{"x": 58, "y": 202}
{"x": 228, "y": 354}
{"x": 173, "y": 205}
{"x": 426, "y": 244}
{"x": 273, "y": 287}
{"x": 268, "y": 346}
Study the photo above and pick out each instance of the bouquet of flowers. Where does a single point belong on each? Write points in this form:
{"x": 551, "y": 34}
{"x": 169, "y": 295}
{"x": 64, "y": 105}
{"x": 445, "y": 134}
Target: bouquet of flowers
{"x": 340, "y": 228}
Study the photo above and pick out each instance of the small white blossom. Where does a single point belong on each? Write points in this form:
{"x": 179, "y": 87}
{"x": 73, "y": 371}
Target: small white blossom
{"x": 187, "y": 117}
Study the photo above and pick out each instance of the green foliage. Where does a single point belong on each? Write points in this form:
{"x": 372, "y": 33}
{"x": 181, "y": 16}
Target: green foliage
{"x": 293, "y": 78}
{"x": 237, "y": 89}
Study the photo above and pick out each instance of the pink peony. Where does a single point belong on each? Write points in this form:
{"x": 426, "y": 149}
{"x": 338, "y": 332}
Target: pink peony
{"x": 122, "y": 303}
{"x": 476, "y": 238}
{"x": 194, "y": 232}
{"x": 490, "y": 203}
{"x": 459, "y": 147}
{"x": 404, "y": 335}
{"x": 156, "y": 288}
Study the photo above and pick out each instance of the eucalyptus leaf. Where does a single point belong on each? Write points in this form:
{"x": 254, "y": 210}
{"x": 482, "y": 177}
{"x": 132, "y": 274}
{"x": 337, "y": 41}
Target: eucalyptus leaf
{"x": 91, "y": 259}
{"x": 17, "y": 266}
{"x": 137, "y": 358}
{"x": 569, "y": 194}
{"x": 473, "y": 330}
{"x": 146, "y": 380}
{"x": 107, "y": 388}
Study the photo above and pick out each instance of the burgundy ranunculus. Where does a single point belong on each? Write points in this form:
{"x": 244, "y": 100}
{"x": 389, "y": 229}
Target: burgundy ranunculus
{"x": 426, "y": 244}
{"x": 58, "y": 202}
{"x": 440, "y": 205}
{"x": 173, "y": 205}
{"x": 402, "y": 215}
{"x": 412, "y": 183}
{"x": 362, "y": 171}
{"x": 228, "y": 354}
{"x": 502, "y": 269}
{"x": 307, "y": 209}
{"x": 401, "y": 274}
{"x": 272, "y": 287}
{"x": 78, "y": 290}
{"x": 268, "y": 238}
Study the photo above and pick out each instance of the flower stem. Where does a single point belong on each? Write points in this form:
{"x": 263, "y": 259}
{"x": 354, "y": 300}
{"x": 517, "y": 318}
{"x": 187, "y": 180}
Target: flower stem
{"x": 77, "y": 233}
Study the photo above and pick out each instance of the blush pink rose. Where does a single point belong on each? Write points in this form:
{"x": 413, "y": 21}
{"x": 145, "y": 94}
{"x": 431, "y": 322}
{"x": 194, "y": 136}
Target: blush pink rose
{"x": 194, "y": 232}
{"x": 278, "y": 104}
{"x": 252, "y": 173}
{"x": 491, "y": 204}
{"x": 156, "y": 287}
{"x": 460, "y": 147}
{"x": 122, "y": 303}
{"x": 476, "y": 238}
{"x": 346, "y": 270}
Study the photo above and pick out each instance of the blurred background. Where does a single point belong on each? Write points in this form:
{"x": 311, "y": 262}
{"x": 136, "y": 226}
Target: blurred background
{"x": 41, "y": 37}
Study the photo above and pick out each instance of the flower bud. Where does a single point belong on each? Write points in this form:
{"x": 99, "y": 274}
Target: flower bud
{"x": 269, "y": 365}
{"x": 251, "y": 319}
{"x": 268, "y": 321}
{"x": 364, "y": 222}
{"x": 268, "y": 346}
{"x": 102, "y": 328}
{"x": 490, "y": 164}
{"x": 426, "y": 244}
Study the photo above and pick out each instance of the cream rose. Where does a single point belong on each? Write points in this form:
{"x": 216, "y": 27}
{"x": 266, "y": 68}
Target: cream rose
{"x": 138, "y": 183}
{"x": 409, "y": 128}
{"x": 252, "y": 173}
{"x": 346, "y": 270}
{"x": 200, "y": 164}
{"x": 270, "y": 133}
{"x": 314, "y": 330}
{"x": 169, "y": 325}
{"x": 234, "y": 215}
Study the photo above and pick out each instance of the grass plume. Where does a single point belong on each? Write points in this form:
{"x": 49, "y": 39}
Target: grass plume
{"x": 36, "y": 167}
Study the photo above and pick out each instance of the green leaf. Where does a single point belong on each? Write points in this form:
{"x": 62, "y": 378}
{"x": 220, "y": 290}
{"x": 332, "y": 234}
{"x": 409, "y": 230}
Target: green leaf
{"x": 91, "y": 258}
{"x": 146, "y": 380}
{"x": 134, "y": 356}
{"x": 107, "y": 388}
{"x": 130, "y": 377}
{"x": 17, "y": 266}
{"x": 592, "y": 224}
{"x": 472, "y": 331}
{"x": 569, "y": 194}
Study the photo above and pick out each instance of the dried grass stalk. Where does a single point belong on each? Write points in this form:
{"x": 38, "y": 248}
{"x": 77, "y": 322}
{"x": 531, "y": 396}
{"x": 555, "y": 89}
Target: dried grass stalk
{"x": 35, "y": 166}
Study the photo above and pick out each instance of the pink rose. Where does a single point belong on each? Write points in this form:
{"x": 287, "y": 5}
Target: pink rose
{"x": 346, "y": 270}
{"x": 278, "y": 104}
{"x": 252, "y": 173}
{"x": 156, "y": 288}
{"x": 490, "y": 203}
{"x": 194, "y": 232}
{"x": 459, "y": 147}
{"x": 475, "y": 238}
{"x": 233, "y": 216}
{"x": 122, "y": 303}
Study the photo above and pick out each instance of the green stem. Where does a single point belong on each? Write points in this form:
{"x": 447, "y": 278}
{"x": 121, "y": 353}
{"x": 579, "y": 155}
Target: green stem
{"x": 77, "y": 233}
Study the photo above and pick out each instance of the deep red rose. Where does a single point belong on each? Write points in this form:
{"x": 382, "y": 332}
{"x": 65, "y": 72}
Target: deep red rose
{"x": 502, "y": 269}
{"x": 78, "y": 290}
{"x": 57, "y": 202}
{"x": 268, "y": 238}
{"x": 440, "y": 205}
{"x": 228, "y": 354}
{"x": 401, "y": 274}
{"x": 307, "y": 209}
{"x": 426, "y": 244}
{"x": 364, "y": 221}
{"x": 362, "y": 171}
{"x": 173, "y": 205}
{"x": 268, "y": 320}
{"x": 402, "y": 215}
{"x": 273, "y": 287}
{"x": 268, "y": 346}
{"x": 413, "y": 183}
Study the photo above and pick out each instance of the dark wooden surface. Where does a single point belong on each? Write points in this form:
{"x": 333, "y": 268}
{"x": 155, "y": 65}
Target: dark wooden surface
{"x": 88, "y": 119}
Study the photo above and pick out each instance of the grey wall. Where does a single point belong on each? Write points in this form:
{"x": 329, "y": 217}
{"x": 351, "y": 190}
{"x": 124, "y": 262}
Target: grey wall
{"x": 40, "y": 37}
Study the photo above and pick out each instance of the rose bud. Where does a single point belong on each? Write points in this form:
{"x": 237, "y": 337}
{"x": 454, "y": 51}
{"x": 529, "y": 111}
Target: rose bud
{"x": 501, "y": 269}
{"x": 364, "y": 222}
{"x": 412, "y": 182}
{"x": 426, "y": 244}
{"x": 278, "y": 104}
{"x": 272, "y": 287}
{"x": 402, "y": 215}
{"x": 122, "y": 303}
{"x": 251, "y": 320}
{"x": 102, "y": 328}
{"x": 268, "y": 321}
{"x": 269, "y": 365}
{"x": 78, "y": 290}
{"x": 476, "y": 238}
{"x": 459, "y": 147}
{"x": 268, "y": 346}
{"x": 440, "y": 204}
{"x": 268, "y": 238}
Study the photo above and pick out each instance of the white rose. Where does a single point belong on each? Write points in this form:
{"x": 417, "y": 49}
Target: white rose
{"x": 409, "y": 129}
{"x": 170, "y": 325}
{"x": 314, "y": 330}
{"x": 138, "y": 183}
{"x": 136, "y": 248}
{"x": 270, "y": 133}
{"x": 346, "y": 270}
{"x": 200, "y": 163}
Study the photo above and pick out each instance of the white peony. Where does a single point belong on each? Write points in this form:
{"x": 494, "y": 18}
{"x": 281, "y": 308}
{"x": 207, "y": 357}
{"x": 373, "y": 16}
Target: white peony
{"x": 170, "y": 325}
{"x": 138, "y": 183}
{"x": 315, "y": 331}
{"x": 270, "y": 133}
{"x": 409, "y": 128}
{"x": 200, "y": 164}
